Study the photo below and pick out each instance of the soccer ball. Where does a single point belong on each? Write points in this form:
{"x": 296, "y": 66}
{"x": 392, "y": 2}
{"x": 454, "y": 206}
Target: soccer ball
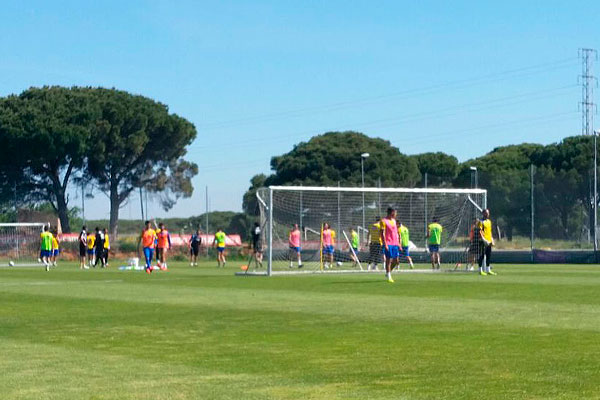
{"x": 339, "y": 263}
{"x": 11, "y": 263}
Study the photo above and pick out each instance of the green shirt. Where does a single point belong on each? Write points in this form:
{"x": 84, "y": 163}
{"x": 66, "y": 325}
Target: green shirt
{"x": 46, "y": 240}
{"x": 220, "y": 239}
{"x": 403, "y": 235}
{"x": 435, "y": 233}
{"x": 354, "y": 239}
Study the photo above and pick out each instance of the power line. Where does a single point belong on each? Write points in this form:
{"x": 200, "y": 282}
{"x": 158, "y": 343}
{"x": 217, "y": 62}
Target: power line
{"x": 406, "y": 94}
{"x": 413, "y": 117}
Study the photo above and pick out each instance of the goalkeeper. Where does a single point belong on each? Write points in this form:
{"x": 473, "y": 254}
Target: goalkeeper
{"x": 375, "y": 244}
{"x": 485, "y": 231}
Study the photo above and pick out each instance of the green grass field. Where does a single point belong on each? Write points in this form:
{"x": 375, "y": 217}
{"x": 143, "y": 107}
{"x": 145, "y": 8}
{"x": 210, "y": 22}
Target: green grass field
{"x": 202, "y": 333}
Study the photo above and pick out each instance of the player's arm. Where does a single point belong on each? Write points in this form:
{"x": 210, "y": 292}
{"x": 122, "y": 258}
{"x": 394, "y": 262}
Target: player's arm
{"x": 382, "y": 234}
{"x": 169, "y": 239}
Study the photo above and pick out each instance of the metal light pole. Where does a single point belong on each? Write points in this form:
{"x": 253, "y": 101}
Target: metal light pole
{"x": 362, "y": 175}
{"x": 474, "y": 182}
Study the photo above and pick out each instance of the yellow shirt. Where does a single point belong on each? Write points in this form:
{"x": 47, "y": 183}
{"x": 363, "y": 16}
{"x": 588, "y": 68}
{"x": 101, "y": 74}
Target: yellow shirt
{"x": 54, "y": 243}
{"x": 375, "y": 233}
{"x": 486, "y": 229}
{"x": 106, "y": 242}
{"x": 91, "y": 240}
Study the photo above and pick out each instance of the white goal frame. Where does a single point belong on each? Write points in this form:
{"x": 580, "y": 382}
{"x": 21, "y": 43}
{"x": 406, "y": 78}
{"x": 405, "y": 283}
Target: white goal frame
{"x": 268, "y": 203}
{"x": 40, "y": 225}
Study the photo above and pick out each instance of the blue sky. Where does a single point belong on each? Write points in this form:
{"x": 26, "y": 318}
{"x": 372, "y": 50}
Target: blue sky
{"x": 258, "y": 77}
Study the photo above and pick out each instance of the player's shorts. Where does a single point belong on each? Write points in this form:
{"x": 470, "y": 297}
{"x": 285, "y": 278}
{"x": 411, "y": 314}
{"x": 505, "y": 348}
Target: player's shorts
{"x": 91, "y": 252}
{"x": 194, "y": 250}
{"x": 392, "y": 251}
{"x": 296, "y": 249}
{"x": 55, "y": 252}
{"x": 375, "y": 252}
{"x": 257, "y": 246}
{"x": 46, "y": 253}
{"x": 148, "y": 253}
{"x": 160, "y": 251}
{"x": 220, "y": 249}
{"x": 82, "y": 250}
{"x": 328, "y": 249}
{"x": 405, "y": 252}
{"x": 434, "y": 248}
{"x": 355, "y": 250}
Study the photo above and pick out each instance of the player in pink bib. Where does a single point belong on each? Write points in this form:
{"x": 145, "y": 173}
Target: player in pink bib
{"x": 391, "y": 242}
{"x": 294, "y": 244}
{"x": 328, "y": 238}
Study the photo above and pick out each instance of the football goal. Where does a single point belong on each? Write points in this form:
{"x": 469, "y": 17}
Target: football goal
{"x": 351, "y": 213}
{"x": 20, "y": 243}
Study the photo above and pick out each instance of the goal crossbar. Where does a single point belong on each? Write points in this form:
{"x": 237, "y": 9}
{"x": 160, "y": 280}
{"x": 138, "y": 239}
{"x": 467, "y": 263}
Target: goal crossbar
{"x": 375, "y": 190}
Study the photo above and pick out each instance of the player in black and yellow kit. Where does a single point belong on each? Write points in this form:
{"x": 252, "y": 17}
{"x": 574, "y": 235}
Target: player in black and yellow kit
{"x": 375, "y": 245}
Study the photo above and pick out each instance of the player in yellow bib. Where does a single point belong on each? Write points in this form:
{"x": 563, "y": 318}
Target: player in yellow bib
{"x": 485, "y": 232}
{"x": 219, "y": 243}
{"x": 55, "y": 247}
{"x": 91, "y": 248}
{"x": 434, "y": 234}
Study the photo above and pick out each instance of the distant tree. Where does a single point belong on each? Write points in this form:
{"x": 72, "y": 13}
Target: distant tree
{"x": 441, "y": 168}
{"x": 336, "y": 157}
{"x": 249, "y": 202}
{"x": 137, "y": 143}
{"x": 43, "y": 141}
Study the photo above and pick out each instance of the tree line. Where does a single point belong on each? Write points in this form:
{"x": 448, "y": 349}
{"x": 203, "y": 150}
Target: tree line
{"x": 562, "y": 177}
{"x": 54, "y": 137}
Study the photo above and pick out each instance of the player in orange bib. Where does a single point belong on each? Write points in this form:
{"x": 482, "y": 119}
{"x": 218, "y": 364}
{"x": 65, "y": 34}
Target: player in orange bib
{"x": 147, "y": 239}
{"x": 163, "y": 244}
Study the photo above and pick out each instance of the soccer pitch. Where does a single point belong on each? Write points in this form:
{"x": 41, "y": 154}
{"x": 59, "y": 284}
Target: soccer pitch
{"x": 202, "y": 333}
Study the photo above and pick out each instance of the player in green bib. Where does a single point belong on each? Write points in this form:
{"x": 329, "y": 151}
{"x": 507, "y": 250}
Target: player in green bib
{"x": 219, "y": 243}
{"x": 434, "y": 234}
{"x": 354, "y": 241}
{"x": 46, "y": 246}
{"x": 405, "y": 242}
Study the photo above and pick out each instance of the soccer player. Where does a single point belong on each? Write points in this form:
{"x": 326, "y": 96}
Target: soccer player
{"x": 99, "y": 244}
{"x": 391, "y": 242}
{"x": 91, "y": 241}
{"x": 55, "y": 247}
{"x": 219, "y": 243}
{"x": 434, "y": 234}
{"x": 485, "y": 232}
{"x": 375, "y": 245}
{"x": 195, "y": 242}
{"x": 147, "y": 238}
{"x": 354, "y": 241}
{"x": 106, "y": 247}
{"x": 163, "y": 245}
{"x": 294, "y": 245}
{"x": 82, "y": 248}
{"x": 475, "y": 244}
{"x": 257, "y": 243}
{"x": 404, "y": 240}
{"x": 46, "y": 246}
{"x": 328, "y": 236}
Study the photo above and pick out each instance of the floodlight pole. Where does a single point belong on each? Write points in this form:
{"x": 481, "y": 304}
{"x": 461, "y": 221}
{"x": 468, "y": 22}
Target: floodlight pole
{"x": 362, "y": 175}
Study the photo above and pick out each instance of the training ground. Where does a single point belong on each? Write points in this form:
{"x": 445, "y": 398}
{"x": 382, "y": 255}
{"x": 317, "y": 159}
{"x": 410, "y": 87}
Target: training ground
{"x": 201, "y": 333}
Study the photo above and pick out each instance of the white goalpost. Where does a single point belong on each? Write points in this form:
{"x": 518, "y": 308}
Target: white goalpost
{"x": 345, "y": 209}
{"x": 20, "y": 243}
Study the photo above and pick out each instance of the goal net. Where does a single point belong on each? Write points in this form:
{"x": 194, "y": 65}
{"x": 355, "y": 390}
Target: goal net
{"x": 356, "y": 209}
{"x": 20, "y": 243}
